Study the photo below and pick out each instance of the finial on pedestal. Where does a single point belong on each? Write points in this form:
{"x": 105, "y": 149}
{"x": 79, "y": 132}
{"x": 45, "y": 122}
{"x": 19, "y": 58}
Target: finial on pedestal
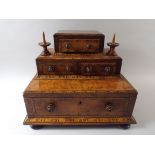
{"x": 45, "y": 44}
{"x": 112, "y": 45}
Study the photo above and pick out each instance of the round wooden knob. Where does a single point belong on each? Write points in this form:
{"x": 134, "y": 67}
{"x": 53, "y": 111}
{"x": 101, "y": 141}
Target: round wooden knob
{"x": 88, "y": 69}
{"x": 67, "y": 68}
{"x": 68, "y": 45}
{"x": 88, "y": 46}
{"x": 51, "y": 68}
{"x": 51, "y": 107}
{"x": 108, "y": 107}
{"x": 107, "y": 69}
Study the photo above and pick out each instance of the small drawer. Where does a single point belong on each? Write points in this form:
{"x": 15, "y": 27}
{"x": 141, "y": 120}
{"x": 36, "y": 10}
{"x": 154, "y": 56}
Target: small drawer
{"x": 98, "y": 68}
{"x": 81, "y": 107}
{"x": 79, "y": 45}
{"x": 78, "y": 41}
{"x": 59, "y": 68}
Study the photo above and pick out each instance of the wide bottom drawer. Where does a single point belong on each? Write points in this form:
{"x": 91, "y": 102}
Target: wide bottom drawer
{"x": 107, "y": 107}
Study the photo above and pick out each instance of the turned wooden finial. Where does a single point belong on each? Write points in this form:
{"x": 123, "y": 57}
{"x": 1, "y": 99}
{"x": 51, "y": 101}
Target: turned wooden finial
{"x": 113, "y": 40}
{"x": 112, "y": 45}
{"x": 45, "y": 44}
{"x": 44, "y": 40}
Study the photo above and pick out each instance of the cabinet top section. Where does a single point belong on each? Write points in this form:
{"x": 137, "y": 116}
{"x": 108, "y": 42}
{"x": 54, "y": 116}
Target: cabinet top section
{"x": 78, "y": 34}
{"x": 78, "y": 42}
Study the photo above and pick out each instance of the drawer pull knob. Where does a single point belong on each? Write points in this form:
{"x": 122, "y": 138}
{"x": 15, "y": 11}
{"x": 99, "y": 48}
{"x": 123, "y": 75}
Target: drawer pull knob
{"x": 67, "y": 68}
{"x": 51, "y": 69}
{"x": 108, "y": 107}
{"x": 107, "y": 69}
{"x": 88, "y": 69}
{"x": 68, "y": 45}
{"x": 51, "y": 107}
{"x": 88, "y": 46}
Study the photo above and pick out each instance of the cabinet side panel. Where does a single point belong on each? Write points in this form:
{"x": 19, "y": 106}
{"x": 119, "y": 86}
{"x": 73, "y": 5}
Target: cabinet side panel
{"x": 30, "y": 108}
{"x": 132, "y": 100}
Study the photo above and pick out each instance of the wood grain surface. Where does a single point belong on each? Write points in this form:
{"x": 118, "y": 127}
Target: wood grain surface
{"x": 79, "y": 121}
{"x": 106, "y": 84}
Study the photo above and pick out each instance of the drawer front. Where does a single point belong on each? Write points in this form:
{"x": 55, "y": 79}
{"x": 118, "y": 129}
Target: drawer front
{"x": 80, "y": 107}
{"x": 98, "y": 68}
{"x": 59, "y": 68}
{"x": 79, "y": 45}
{"x": 79, "y": 69}
{"x": 56, "y": 106}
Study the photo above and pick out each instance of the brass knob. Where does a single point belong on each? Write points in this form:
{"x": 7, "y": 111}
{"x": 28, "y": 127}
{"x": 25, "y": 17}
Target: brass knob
{"x": 108, "y": 107}
{"x": 68, "y": 45}
{"x": 51, "y": 107}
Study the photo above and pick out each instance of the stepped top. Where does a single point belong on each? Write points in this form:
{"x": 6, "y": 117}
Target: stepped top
{"x": 76, "y": 32}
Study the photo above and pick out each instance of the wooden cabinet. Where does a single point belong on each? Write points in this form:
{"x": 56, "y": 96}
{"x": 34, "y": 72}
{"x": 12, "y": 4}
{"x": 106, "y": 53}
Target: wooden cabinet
{"x": 79, "y": 83}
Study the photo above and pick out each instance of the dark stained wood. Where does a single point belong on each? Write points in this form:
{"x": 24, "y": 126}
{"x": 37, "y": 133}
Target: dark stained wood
{"x": 37, "y": 127}
{"x": 112, "y": 45}
{"x": 45, "y": 44}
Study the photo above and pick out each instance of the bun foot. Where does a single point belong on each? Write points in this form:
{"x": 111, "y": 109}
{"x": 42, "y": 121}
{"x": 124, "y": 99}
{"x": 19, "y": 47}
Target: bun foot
{"x": 36, "y": 127}
{"x": 125, "y": 126}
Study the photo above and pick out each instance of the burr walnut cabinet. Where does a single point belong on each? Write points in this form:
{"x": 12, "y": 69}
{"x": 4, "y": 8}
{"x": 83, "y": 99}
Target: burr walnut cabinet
{"x": 79, "y": 85}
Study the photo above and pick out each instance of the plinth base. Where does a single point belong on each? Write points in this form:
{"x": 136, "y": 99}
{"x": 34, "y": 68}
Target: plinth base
{"x": 75, "y": 121}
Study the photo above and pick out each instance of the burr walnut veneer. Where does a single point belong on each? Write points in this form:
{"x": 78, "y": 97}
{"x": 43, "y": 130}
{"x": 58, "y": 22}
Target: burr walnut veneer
{"x": 79, "y": 42}
{"x": 72, "y": 100}
{"x": 79, "y": 83}
{"x": 78, "y": 64}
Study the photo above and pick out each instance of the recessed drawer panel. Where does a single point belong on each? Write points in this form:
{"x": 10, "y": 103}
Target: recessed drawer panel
{"x": 79, "y": 45}
{"x": 98, "y": 68}
{"x": 79, "y": 42}
{"x": 79, "y": 69}
{"x": 80, "y": 107}
{"x": 59, "y": 68}
{"x": 56, "y": 106}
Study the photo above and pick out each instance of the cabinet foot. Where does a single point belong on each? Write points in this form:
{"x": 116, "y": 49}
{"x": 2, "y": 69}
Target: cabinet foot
{"x": 36, "y": 127}
{"x": 125, "y": 126}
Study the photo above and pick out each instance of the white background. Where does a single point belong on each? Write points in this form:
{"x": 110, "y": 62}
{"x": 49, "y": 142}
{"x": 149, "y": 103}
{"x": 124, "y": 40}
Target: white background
{"x": 19, "y": 48}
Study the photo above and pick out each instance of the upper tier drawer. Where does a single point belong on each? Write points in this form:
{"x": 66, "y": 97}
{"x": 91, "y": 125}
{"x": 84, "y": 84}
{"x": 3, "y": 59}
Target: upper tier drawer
{"x": 79, "y": 68}
{"x": 98, "y": 68}
{"x": 79, "y": 42}
{"x": 79, "y": 45}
